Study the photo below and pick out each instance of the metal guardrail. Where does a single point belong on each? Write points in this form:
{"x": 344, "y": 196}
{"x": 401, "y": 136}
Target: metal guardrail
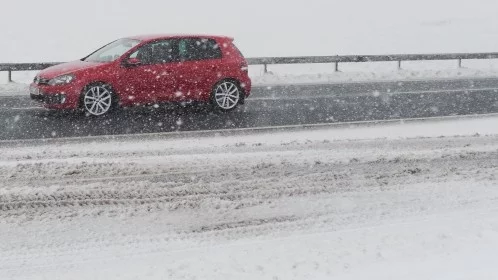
{"x": 368, "y": 58}
{"x": 265, "y": 61}
{"x": 10, "y": 67}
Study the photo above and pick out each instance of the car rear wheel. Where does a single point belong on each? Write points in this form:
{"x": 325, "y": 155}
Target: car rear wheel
{"x": 226, "y": 95}
{"x": 98, "y": 99}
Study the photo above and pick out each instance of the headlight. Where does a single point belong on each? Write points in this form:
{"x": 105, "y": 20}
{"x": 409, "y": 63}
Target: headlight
{"x": 61, "y": 80}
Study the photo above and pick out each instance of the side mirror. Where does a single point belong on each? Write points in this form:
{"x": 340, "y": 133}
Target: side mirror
{"x": 133, "y": 62}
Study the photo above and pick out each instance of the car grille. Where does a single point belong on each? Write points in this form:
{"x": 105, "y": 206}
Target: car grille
{"x": 41, "y": 81}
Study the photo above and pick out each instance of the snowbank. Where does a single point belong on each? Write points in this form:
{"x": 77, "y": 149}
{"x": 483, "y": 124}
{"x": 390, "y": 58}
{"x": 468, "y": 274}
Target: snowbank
{"x": 345, "y": 77}
{"x": 370, "y": 201}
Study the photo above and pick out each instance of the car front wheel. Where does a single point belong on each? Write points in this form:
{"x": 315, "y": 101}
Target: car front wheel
{"x": 227, "y": 95}
{"x": 98, "y": 99}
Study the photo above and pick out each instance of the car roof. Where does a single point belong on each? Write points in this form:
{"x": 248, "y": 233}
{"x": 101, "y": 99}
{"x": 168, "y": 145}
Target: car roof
{"x": 152, "y": 37}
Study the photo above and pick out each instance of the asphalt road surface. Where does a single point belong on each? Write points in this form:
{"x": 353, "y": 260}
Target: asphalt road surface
{"x": 20, "y": 118}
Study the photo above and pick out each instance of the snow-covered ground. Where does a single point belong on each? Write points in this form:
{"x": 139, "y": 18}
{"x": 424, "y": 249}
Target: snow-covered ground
{"x": 353, "y": 73}
{"x": 413, "y": 200}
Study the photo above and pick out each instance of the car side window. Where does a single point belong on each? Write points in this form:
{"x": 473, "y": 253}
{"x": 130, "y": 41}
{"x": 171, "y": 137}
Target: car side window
{"x": 198, "y": 49}
{"x": 163, "y": 51}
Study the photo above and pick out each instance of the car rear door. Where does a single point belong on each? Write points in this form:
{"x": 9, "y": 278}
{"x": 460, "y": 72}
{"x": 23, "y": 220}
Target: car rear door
{"x": 199, "y": 70}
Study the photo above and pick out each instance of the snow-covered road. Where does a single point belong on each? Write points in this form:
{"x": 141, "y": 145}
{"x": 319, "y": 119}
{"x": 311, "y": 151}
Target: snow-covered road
{"x": 393, "y": 201}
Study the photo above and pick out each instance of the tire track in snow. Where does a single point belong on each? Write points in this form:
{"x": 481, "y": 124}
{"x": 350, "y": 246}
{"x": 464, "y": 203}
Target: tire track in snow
{"x": 242, "y": 189}
{"x": 261, "y": 198}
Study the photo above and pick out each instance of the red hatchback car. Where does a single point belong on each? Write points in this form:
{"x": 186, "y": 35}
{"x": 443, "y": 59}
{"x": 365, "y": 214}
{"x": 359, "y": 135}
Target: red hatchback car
{"x": 148, "y": 70}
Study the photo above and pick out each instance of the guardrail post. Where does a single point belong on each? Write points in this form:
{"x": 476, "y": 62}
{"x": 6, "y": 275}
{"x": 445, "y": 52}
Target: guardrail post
{"x": 266, "y": 68}
{"x": 9, "y": 76}
{"x": 460, "y": 63}
{"x": 336, "y": 66}
{"x": 399, "y": 64}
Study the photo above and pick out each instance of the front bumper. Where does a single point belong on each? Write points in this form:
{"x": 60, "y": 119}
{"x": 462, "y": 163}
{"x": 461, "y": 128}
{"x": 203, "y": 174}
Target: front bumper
{"x": 54, "y": 97}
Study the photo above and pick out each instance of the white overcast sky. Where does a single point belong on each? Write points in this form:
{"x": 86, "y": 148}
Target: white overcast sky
{"x": 59, "y": 30}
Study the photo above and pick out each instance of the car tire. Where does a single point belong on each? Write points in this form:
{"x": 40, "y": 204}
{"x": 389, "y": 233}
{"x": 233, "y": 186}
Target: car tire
{"x": 227, "y": 95}
{"x": 98, "y": 99}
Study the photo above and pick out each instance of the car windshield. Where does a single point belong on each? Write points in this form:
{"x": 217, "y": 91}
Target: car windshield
{"x": 112, "y": 51}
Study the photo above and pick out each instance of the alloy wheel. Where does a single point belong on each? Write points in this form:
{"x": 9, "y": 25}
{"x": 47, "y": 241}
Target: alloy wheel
{"x": 227, "y": 95}
{"x": 97, "y": 100}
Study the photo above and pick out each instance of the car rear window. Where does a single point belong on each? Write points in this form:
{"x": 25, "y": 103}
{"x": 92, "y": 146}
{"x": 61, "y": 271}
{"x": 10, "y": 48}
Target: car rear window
{"x": 199, "y": 49}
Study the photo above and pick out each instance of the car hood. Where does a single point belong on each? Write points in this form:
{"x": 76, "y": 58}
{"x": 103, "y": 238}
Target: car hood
{"x": 67, "y": 68}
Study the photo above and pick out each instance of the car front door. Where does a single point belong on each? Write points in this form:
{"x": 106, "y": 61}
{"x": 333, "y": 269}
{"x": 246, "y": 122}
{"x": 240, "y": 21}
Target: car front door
{"x": 148, "y": 75}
